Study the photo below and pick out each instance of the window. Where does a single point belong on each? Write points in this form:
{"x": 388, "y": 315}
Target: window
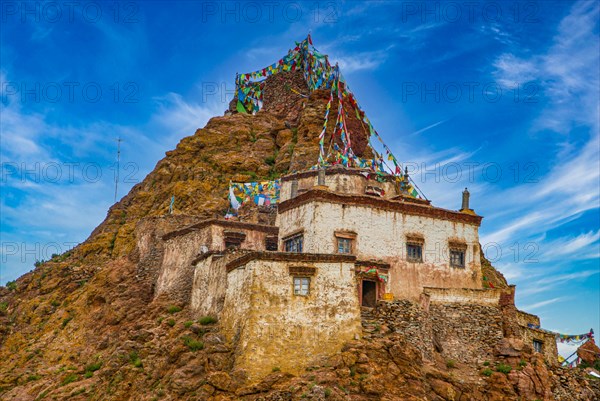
{"x": 294, "y": 244}
{"x": 271, "y": 243}
{"x": 344, "y": 241}
{"x": 414, "y": 252}
{"x": 301, "y": 286}
{"x": 344, "y": 245}
{"x": 233, "y": 239}
{"x": 457, "y": 258}
{"x": 537, "y": 346}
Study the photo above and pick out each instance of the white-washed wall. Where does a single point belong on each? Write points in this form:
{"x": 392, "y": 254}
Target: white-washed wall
{"x": 382, "y": 235}
{"x": 354, "y": 184}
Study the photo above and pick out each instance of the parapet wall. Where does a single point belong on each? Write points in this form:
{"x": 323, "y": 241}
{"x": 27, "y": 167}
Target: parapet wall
{"x": 463, "y": 295}
{"x": 524, "y": 318}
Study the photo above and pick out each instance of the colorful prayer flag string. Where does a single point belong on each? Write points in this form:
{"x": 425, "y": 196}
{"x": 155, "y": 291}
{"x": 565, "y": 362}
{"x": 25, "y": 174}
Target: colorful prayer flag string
{"x": 319, "y": 74}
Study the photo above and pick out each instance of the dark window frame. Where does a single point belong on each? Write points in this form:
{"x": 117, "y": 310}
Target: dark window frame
{"x": 414, "y": 252}
{"x": 459, "y": 254}
{"x": 271, "y": 243}
{"x": 294, "y": 243}
{"x": 233, "y": 239}
{"x": 538, "y": 346}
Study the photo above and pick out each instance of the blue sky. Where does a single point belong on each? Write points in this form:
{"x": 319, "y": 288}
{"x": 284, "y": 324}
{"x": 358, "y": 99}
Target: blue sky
{"x": 501, "y": 97}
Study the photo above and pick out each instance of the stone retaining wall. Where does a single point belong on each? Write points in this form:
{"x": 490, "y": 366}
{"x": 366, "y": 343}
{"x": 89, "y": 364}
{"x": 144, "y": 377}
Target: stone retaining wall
{"x": 465, "y": 332}
{"x": 409, "y": 318}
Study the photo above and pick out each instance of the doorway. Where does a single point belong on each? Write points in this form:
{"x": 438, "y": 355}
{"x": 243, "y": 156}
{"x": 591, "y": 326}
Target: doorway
{"x": 369, "y": 293}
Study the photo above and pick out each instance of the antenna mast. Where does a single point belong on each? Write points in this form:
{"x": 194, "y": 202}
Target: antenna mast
{"x": 119, "y": 140}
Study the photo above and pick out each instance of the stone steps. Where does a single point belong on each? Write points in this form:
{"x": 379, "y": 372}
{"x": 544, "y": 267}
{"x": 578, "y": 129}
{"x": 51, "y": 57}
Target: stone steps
{"x": 370, "y": 324}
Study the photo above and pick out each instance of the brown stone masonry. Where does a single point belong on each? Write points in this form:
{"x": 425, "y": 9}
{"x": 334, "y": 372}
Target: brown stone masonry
{"x": 457, "y": 331}
{"x": 302, "y": 270}
{"x": 329, "y": 171}
{"x": 316, "y": 195}
{"x": 223, "y": 223}
{"x": 377, "y": 264}
{"x": 289, "y": 257}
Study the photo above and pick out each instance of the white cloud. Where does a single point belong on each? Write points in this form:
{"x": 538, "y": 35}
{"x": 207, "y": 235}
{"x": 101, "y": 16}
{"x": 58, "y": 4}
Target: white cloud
{"x": 38, "y": 211}
{"x": 541, "y": 304}
{"x": 512, "y": 71}
{"x": 360, "y": 61}
{"x": 552, "y": 280}
{"x": 567, "y": 73}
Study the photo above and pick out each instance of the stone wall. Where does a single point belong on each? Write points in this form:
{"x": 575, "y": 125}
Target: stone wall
{"x": 382, "y": 235}
{"x": 467, "y": 333}
{"x": 462, "y": 331}
{"x": 269, "y": 326}
{"x": 549, "y": 347}
{"x": 524, "y": 318}
{"x": 465, "y": 325}
{"x": 410, "y": 319}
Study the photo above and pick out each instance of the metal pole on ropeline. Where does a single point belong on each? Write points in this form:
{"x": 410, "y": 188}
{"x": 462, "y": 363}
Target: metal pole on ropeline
{"x": 119, "y": 140}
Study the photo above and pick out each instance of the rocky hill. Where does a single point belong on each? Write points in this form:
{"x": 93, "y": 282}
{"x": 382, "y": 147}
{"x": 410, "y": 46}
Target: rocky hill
{"x": 85, "y": 325}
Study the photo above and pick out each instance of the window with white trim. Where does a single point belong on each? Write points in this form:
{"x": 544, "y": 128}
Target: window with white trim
{"x": 301, "y": 286}
{"x": 538, "y": 346}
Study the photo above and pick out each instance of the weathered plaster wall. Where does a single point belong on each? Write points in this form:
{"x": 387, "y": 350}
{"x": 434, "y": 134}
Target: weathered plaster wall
{"x": 338, "y": 180}
{"x": 210, "y": 285}
{"x": 382, "y": 235}
{"x": 270, "y": 327}
{"x": 176, "y": 274}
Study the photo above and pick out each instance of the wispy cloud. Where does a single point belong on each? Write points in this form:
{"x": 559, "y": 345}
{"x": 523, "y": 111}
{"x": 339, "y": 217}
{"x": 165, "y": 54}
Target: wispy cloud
{"x": 427, "y": 128}
{"x": 567, "y": 72}
{"x": 512, "y": 70}
{"x": 553, "y": 281}
{"x": 547, "y": 302}
{"x": 369, "y": 60}
{"x": 82, "y": 155}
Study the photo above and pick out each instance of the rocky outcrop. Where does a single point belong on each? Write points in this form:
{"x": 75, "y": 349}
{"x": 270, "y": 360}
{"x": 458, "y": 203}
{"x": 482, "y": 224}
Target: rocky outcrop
{"x": 589, "y": 353}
